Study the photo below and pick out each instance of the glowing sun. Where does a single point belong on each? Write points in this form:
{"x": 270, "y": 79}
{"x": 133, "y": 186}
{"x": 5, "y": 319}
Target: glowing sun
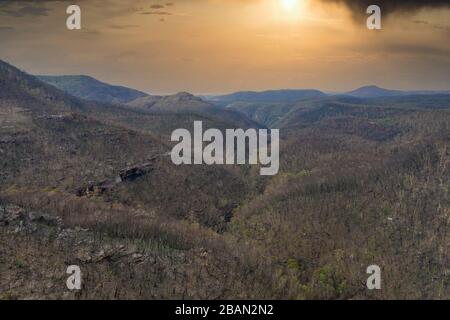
{"x": 289, "y": 5}
{"x": 291, "y": 10}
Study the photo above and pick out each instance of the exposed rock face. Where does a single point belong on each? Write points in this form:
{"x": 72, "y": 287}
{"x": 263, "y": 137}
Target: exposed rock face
{"x": 37, "y": 249}
{"x": 95, "y": 189}
{"x": 128, "y": 174}
{"x": 131, "y": 174}
{"x": 14, "y": 220}
{"x": 6, "y": 139}
{"x": 17, "y": 219}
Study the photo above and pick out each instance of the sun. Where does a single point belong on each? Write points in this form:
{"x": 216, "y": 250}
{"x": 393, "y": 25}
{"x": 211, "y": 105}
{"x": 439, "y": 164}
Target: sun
{"x": 291, "y": 10}
{"x": 289, "y": 5}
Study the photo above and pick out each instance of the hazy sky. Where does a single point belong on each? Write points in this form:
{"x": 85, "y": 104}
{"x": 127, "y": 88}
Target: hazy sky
{"x": 218, "y": 46}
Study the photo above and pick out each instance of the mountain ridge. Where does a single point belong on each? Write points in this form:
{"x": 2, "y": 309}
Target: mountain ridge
{"x": 89, "y": 88}
{"x": 282, "y": 95}
{"x": 373, "y": 91}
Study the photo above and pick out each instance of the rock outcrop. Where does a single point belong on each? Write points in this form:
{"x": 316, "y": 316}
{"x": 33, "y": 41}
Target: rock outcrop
{"x": 129, "y": 174}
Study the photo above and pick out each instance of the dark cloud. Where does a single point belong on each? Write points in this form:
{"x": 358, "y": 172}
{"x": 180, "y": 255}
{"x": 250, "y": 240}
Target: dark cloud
{"x": 33, "y": 8}
{"x": 28, "y": 8}
{"x": 24, "y": 10}
{"x": 157, "y": 9}
{"x": 358, "y": 7}
{"x": 159, "y": 13}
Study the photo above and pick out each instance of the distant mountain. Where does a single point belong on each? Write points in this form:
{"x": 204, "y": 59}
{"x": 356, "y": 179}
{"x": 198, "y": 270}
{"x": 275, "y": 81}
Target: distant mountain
{"x": 376, "y": 92}
{"x": 186, "y": 103}
{"x": 22, "y": 90}
{"x": 182, "y": 101}
{"x": 88, "y": 88}
{"x": 50, "y": 139}
{"x": 268, "y": 96}
{"x": 162, "y": 113}
{"x": 53, "y": 128}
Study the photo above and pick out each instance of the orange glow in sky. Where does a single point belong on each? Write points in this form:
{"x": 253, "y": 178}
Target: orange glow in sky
{"x": 215, "y": 46}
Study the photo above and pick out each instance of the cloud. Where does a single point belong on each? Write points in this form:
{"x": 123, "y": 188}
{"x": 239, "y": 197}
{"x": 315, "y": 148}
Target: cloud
{"x": 436, "y": 26}
{"x": 160, "y": 13}
{"x": 157, "y": 9}
{"x": 358, "y": 7}
{"x": 415, "y": 49}
{"x": 24, "y": 10}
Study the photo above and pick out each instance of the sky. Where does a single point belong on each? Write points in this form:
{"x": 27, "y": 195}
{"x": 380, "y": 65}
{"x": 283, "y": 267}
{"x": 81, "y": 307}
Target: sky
{"x": 221, "y": 46}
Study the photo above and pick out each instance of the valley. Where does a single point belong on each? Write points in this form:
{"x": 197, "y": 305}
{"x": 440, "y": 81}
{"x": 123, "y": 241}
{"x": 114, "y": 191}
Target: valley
{"x": 86, "y": 179}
